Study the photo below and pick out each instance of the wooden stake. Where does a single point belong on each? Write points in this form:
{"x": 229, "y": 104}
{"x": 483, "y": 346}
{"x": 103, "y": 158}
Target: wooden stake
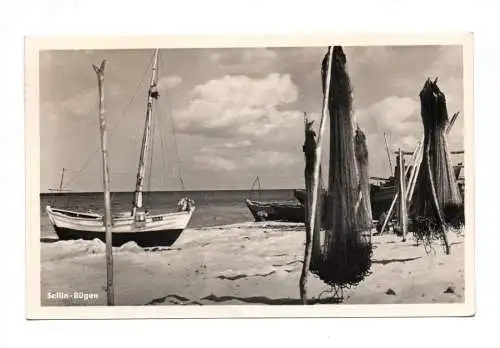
{"x": 452, "y": 122}
{"x": 413, "y": 180}
{"x": 395, "y": 199}
{"x": 403, "y": 213}
{"x": 388, "y": 152}
{"x": 315, "y": 185}
{"x": 107, "y": 198}
{"x": 62, "y": 180}
{"x": 435, "y": 203}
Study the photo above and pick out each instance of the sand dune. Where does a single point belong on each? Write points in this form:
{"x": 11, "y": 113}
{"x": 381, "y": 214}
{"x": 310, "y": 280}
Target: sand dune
{"x": 250, "y": 263}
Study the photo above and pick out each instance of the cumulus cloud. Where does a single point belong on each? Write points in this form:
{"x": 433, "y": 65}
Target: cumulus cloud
{"x": 271, "y": 159}
{"x": 227, "y": 145}
{"x": 232, "y": 106}
{"x": 243, "y": 155}
{"x": 77, "y": 106}
{"x": 229, "y": 159}
{"x": 392, "y": 113}
{"x": 169, "y": 82}
{"x": 214, "y": 162}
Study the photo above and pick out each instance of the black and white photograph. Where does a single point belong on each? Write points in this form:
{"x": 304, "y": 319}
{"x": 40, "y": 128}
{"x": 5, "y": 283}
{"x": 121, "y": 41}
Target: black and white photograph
{"x": 298, "y": 177}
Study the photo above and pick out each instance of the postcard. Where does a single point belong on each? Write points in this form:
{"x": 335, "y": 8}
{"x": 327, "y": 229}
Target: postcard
{"x": 274, "y": 176}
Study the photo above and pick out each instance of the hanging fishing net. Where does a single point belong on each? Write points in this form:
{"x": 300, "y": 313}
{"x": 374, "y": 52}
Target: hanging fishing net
{"x": 437, "y": 201}
{"x": 345, "y": 245}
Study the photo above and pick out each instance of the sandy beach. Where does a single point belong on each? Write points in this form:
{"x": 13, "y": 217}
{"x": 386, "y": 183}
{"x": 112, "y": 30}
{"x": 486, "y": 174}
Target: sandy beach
{"x": 246, "y": 263}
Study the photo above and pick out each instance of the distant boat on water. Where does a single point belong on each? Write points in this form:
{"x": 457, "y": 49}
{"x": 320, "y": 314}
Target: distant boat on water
{"x": 136, "y": 225}
{"x": 283, "y": 210}
{"x": 60, "y": 189}
{"x": 288, "y": 211}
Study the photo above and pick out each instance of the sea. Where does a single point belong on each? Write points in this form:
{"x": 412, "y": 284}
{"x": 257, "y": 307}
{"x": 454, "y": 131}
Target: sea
{"x": 213, "y": 208}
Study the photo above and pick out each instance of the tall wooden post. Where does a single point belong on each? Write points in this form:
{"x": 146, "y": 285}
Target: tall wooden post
{"x": 107, "y": 198}
{"x": 388, "y": 152}
{"x": 434, "y": 200}
{"x": 396, "y": 196}
{"x": 62, "y": 180}
{"x": 403, "y": 213}
{"x": 315, "y": 185}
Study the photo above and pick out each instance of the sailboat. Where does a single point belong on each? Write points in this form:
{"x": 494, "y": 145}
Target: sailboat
{"x": 137, "y": 225}
{"x": 60, "y": 189}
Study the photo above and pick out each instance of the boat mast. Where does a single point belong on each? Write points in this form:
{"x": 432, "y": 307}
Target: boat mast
{"x": 107, "y": 198}
{"x": 62, "y": 180}
{"x": 152, "y": 95}
{"x": 388, "y": 153}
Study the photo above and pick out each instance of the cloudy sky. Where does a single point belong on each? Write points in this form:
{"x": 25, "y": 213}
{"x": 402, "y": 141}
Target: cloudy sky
{"x": 229, "y": 114}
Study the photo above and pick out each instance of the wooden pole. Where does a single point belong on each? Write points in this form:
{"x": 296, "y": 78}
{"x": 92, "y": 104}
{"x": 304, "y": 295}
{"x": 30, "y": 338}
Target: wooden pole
{"x": 452, "y": 122}
{"x": 308, "y": 196}
{"x": 315, "y": 185}
{"x": 403, "y": 214}
{"x": 388, "y": 152}
{"x": 107, "y": 197}
{"x": 413, "y": 179}
{"x": 395, "y": 199}
{"x": 434, "y": 199}
{"x": 62, "y": 180}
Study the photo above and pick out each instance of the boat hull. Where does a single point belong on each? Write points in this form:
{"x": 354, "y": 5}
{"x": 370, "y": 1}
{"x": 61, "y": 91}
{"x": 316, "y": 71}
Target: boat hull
{"x": 143, "y": 239}
{"x": 152, "y": 230}
{"x": 276, "y": 211}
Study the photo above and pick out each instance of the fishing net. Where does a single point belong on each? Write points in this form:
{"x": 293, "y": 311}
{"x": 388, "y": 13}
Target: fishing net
{"x": 345, "y": 245}
{"x": 437, "y": 199}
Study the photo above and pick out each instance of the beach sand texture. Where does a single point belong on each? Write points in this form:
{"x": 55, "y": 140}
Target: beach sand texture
{"x": 246, "y": 263}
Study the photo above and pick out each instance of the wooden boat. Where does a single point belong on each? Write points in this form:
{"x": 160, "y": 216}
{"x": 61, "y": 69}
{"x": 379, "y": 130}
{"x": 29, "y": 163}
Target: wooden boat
{"x": 136, "y": 225}
{"x": 144, "y": 229}
{"x": 288, "y": 211}
{"x": 381, "y": 196}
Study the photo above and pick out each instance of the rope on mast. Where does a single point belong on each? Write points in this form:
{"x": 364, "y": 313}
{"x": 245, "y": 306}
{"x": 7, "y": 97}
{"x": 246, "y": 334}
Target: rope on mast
{"x": 176, "y": 147}
{"x": 111, "y": 132}
{"x": 162, "y": 147}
